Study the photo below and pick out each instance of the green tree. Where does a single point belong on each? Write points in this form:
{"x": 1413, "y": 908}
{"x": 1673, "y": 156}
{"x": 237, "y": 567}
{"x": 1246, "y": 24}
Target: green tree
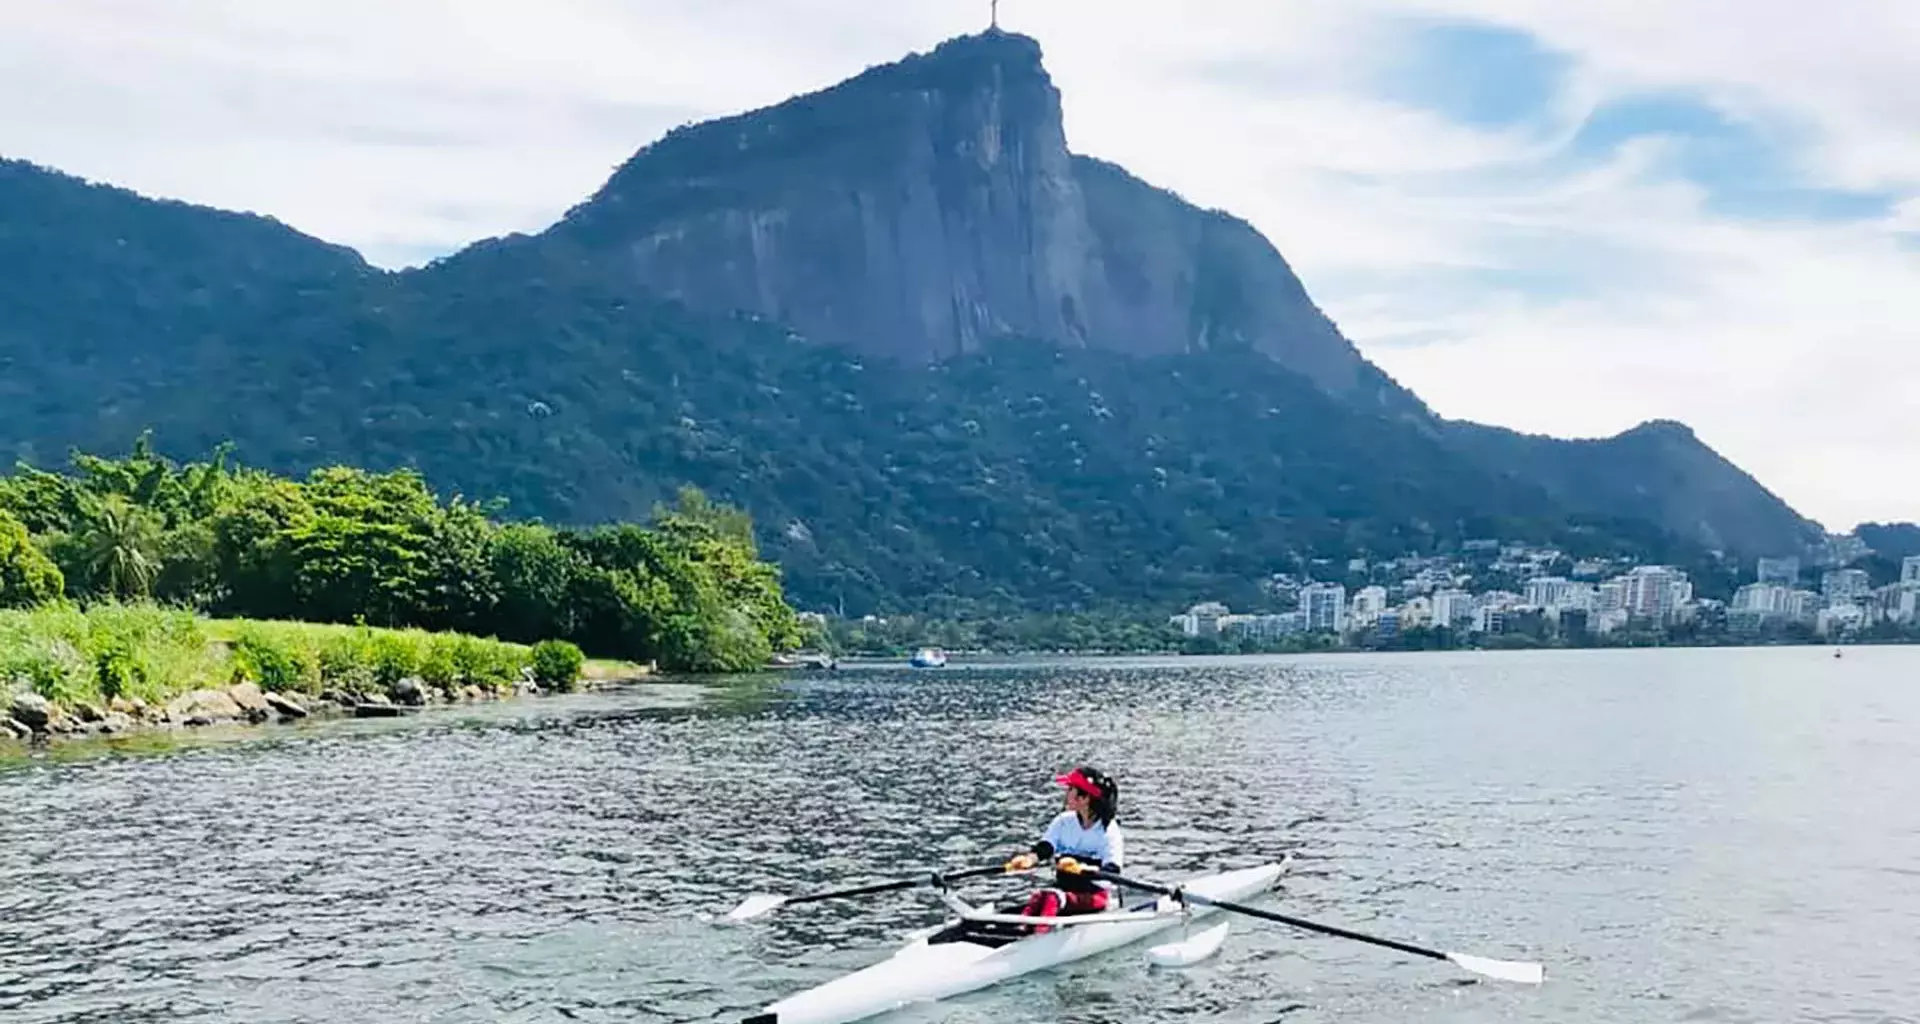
{"x": 44, "y": 502}
{"x": 691, "y": 505}
{"x": 347, "y": 544}
{"x": 362, "y": 550}
{"x": 743, "y": 583}
{"x": 622, "y": 599}
{"x": 459, "y": 589}
{"x": 534, "y": 576}
{"x": 252, "y": 547}
{"x": 189, "y": 568}
{"x": 27, "y": 576}
{"x": 119, "y": 548}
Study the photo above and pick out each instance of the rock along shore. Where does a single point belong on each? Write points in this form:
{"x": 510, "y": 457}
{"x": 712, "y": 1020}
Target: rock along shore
{"x": 31, "y": 718}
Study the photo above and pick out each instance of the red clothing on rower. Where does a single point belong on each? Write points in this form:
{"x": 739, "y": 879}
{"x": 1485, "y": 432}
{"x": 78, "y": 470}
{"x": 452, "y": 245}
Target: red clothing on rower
{"x": 1086, "y": 840}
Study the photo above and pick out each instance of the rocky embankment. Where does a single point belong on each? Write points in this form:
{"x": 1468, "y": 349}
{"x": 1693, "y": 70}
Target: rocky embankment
{"x": 30, "y": 717}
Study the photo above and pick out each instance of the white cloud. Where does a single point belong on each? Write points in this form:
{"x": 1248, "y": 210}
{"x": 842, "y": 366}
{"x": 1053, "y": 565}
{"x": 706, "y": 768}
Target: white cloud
{"x": 1544, "y": 296}
{"x": 1843, "y": 70}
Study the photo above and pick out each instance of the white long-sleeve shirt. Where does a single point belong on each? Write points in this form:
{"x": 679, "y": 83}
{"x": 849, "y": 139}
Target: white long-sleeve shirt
{"x": 1095, "y": 846}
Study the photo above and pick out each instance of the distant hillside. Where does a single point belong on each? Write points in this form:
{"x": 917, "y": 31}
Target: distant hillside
{"x": 945, "y": 364}
{"x": 1891, "y": 540}
{"x": 1658, "y": 471}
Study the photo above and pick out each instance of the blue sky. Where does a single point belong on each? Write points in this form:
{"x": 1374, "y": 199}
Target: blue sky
{"x": 1491, "y": 76}
{"x": 1472, "y": 72}
{"x": 1558, "y": 217}
{"x": 1495, "y": 77}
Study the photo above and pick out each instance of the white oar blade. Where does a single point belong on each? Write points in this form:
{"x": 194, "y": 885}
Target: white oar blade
{"x": 1190, "y": 950}
{"x": 1504, "y": 970}
{"x": 755, "y": 905}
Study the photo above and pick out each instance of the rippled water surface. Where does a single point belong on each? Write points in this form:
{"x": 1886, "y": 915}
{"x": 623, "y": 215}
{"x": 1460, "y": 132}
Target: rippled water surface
{"x": 1689, "y": 835}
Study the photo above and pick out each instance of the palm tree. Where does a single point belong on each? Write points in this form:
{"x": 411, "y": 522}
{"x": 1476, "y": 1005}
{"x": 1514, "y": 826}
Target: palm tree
{"x": 120, "y": 547}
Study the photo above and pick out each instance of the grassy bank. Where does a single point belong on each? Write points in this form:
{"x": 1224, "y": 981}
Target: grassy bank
{"x": 153, "y": 655}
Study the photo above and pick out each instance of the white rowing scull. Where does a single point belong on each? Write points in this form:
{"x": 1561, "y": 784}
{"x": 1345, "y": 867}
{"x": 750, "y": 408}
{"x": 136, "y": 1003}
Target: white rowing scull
{"x": 980, "y": 947}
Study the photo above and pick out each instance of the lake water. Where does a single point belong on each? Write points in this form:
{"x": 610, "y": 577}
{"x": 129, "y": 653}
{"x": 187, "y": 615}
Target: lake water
{"x": 1680, "y": 835}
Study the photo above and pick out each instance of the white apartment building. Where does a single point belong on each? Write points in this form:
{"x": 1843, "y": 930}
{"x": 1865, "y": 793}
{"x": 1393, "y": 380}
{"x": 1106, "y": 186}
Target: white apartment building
{"x": 1451, "y": 608}
{"x": 1325, "y": 605}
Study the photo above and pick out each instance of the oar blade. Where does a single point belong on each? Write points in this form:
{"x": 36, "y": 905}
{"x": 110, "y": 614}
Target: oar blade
{"x": 1189, "y": 950}
{"x": 1504, "y": 970}
{"x": 756, "y": 905}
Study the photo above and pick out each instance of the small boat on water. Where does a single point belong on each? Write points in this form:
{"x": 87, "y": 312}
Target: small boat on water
{"x": 981, "y": 947}
{"x": 928, "y": 657}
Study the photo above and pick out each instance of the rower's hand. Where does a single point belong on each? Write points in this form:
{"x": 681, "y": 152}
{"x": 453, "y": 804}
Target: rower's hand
{"x": 1068, "y": 866}
{"x": 1022, "y": 862}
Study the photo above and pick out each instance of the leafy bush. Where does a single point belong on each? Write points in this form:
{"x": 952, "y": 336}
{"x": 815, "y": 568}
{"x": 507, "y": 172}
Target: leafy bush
{"x": 488, "y": 664}
{"x": 395, "y": 656}
{"x": 437, "y": 663}
{"x": 54, "y": 668}
{"x": 278, "y": 659}
{"x": 346, "y": 662}
{"x": 557, "y": 664}
{"x": 363, "y": 661}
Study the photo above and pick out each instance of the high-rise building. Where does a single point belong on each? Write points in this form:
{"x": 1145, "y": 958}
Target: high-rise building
{"x": 1325, "y": 605}
{"x": 1452, "y": 608}
{"x": 1368, "y": 603}
{"x": 1654, "y": 591}
{"x": 1844, "y": 586}
{"x": 1548, "y": 591}
{"x": 1764, "y": 599}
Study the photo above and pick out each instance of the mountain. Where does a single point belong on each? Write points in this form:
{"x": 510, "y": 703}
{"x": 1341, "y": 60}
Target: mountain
{"x": 943, "y": 361}
{"x": 923, "y": 207}
{"x": 1658, "y": 471}
{"x": 1019, "y": 473}
{"x": 98, "y": 284}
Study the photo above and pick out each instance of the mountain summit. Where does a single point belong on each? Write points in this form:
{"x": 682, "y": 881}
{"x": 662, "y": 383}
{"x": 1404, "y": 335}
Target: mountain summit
{"x": 925, "y": 206}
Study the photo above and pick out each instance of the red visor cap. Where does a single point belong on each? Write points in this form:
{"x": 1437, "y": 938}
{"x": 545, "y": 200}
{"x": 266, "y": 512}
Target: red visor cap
{"x": 1079, "y": 782}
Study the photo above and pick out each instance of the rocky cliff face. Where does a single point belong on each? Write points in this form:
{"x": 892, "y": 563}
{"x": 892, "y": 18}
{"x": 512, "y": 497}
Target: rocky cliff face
{"x": 924, "y": 206}
{"x": 1170, "y": 277}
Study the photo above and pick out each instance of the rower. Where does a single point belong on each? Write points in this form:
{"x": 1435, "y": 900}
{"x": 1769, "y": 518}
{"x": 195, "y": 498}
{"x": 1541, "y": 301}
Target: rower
{"x": 1085, "y": 838}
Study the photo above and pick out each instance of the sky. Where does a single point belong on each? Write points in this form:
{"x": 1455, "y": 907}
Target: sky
{"x": 1564, "y": 218}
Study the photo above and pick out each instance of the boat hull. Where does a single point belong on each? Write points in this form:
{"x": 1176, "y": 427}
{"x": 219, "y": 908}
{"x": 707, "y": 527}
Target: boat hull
{"x": 925, "y": 971}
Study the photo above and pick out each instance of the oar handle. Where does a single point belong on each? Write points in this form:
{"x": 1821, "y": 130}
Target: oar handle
{"x": 1238, "y": 908}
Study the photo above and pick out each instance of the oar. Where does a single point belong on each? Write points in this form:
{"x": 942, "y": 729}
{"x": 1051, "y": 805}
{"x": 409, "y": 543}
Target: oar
{"x": 762, "y": 903}
{"x": 1504, "y": 970}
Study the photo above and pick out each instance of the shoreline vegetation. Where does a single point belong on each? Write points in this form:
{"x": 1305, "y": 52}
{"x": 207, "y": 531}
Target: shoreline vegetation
{"x": 140, "y": 592}
{"x": 112, "y": 669}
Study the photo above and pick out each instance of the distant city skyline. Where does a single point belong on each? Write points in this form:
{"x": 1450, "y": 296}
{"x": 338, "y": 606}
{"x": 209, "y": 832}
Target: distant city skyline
{"x": 1616, "y": 598}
